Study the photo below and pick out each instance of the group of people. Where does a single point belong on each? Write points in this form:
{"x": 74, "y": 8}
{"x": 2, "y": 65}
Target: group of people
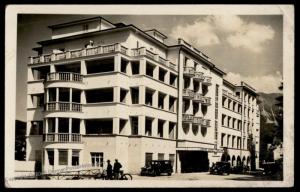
{"x": 110, "y": 170}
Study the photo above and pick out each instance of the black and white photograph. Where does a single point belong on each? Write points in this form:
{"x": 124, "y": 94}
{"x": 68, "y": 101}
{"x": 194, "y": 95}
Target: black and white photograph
{"x": 149, "y": 96}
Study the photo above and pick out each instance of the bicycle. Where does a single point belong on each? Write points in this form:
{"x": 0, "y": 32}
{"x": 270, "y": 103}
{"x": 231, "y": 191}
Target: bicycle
{"x": 104, "y": 176}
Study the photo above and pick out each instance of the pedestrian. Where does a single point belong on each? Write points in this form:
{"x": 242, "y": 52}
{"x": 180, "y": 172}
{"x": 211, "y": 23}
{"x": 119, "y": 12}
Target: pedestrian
{"x": 117, "y": 167}
{"x": 109, "y": 170}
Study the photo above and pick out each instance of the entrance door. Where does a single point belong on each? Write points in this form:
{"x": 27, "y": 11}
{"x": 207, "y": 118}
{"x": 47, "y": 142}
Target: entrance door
{"x": 194, "y": 161}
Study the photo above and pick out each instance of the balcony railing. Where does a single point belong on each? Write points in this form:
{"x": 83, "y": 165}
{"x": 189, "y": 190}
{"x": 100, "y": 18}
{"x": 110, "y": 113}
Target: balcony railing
{"x": 63, "y": 107}
{"x": 76, "y": 53}
{"x": 206, "y": 123}
{"x": 187, "y": 118}
{"x": 207, "y": 80}
{"x": 197, "y": 120}
{"x": 63, "y": 137}
{"x": 187, "y": 93}
{"x": 64, "y": 76}
{"x": 197, "y": 97}
{"x": 206, "y": 100}
{"x": 188, "y": 71}
{"x": 198, "y": 76}
{"x": 150, "y": 54}
{"x": 232, "y": 96}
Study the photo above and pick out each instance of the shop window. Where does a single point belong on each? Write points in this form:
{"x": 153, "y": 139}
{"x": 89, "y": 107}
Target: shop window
{"x": 97, "y": 159}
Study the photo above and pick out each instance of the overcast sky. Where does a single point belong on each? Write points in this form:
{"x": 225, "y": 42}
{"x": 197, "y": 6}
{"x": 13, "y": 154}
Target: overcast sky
{"x": 247, "y": 48}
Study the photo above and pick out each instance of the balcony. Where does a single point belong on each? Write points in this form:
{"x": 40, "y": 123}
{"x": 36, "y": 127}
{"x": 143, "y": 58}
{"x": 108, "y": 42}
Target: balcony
{"x": 64, "y": 76}
{"x": 188, "y": 71}
{"x": 197, "y": 120}
{"x": 206, "y": 80}
{"x": 198, "y": 76}
{"x": 232, "y": 96}
{"x": 206, "y": 100}
{"x": 187, "y": 118}
{"x": 197, "y": 97}
{"x": 97, "y": 50}
{"x": 187, "y": 93}
{"x": 63, "y": 107}
{"x": 205, "y": 123}
{"x": 63, "y": 137}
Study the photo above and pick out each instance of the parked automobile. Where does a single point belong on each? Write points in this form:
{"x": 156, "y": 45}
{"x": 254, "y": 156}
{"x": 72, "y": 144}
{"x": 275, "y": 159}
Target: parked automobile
{"x": 157, "y": 167}
{"x": 220, "y": 168}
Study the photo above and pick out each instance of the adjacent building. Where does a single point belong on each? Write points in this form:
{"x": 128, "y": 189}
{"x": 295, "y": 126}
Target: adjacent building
{"x": 99, "y": 90}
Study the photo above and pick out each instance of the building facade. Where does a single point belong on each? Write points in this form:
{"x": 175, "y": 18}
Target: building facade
{"x": 99, "y": 90}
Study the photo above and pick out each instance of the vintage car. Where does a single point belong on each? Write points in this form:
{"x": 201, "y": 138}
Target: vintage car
{"x": 157, "y": 167}
{"x": 220, "y": 168}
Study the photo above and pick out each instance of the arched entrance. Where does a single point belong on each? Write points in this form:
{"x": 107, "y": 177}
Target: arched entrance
{"x": 243, "y": 160}
{"x": 233, "y": 161}
{"x": 238, "y": 161}
{"x": 228, "y": 158}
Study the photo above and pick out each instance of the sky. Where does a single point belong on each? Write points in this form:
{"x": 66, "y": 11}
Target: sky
{"x": 246, "y": 47}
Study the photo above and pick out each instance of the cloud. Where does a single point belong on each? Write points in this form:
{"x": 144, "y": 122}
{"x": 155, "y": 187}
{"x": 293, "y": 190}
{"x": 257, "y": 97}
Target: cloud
{"x": 267, "y": 84}
{"x": 212, "y": 30}
{"x": 199, "y": 33}
{"x": 251, "y": 36}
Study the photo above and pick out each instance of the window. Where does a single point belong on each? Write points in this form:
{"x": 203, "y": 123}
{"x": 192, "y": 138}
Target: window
{"x": 148, "y": 127}
{"x": 100, "y": 66}
{"x": 149, "y": 97}
{"x": 160, "y": 128}
{"x": 99, "y": 126}
{"x": 171, "y": 130}
{"x": 161, "y": 99}
{"x": 36, "y": 128}
{"x": 63, "y": 157}
{"x": 161, "y": 156}
{"x": 149, "y": 69}
{"x": 97, "y": 159}
{"x": 99, "y": 95}
{"x": 172, "y": 103}
{"x": 134, "y": 125}
{"x": 50, "y": 157}
{"x": 228, "y": 139}
{"x": 222, "y": 139}
{"x": 51, "y": 125}
{"x": 75, "y": 157}
{"x": 195, "y": 129}
{"x": 203, "y": 131}
{"x": 148, "y": 158}
{"x": 134, "y": 95}
{"x": 63, "y": 125}
{"x": 52, "y": 94}
{"x": 162, "y": 74}
{"x": 123, "y": 94}
{"x": 40, "y": 72}
{"x": 173, "y": 79}
{"x": 37, "y": 100}
{"x": 124, "y": 66}
{"x": 135, "y": 67}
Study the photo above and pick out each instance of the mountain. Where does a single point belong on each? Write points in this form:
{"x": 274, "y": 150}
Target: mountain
{"x": 270, "y": 124}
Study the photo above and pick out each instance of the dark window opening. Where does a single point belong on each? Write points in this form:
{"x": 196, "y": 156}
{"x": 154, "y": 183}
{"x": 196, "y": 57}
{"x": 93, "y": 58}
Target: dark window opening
{"x": 134, "y": 125}
{"x": 148, "y": 158}
{"x": 195, "y": 107}
{"x": 223, "y": 119}
{"x": 72, "y": 68}
{"x": 186, "y": 105}
{"x": 63, "y": 125}
{"x": 134, "y": 95}
{"x": 185, "y": 127}
{"x": 148, "y": 126}
{"x": 160, "y": 156}
{"x": 123, "y": 94}
{"x": 37, "y": 100}
{"x": 124, "y": 64}
{"x": 50, "y": 157}
{"x": 162, "y": 74}
{"x": 149, "y": 97}
{"x": 195, "y": 129}
{"x": 204, "y": 89}
{"x": 51, "y": 125}
{"x": 204, "y": 109}
{"x": 76, "y": 94}
{"x": 100, "y": 66}
{"x": 187, "y": 82}
{"x": 149, "y": 69}
{"x": 196, "y": 86}
{"x": 160, "y": 128}
{"x": 99, "y": 126}
{"x": 52, "y": 94}
{"x": 223, "y": 101}
{"x": 172, "y": 103}
{"x": 99, "y": 95}
{"x": 64, "y": 94}
{"x": 40, "y": 72}
{"x": 229, "y": 103}
{"x": 173, "y": 78}
{"x": 222, "y": 139}
{"x": 172, "y": 130}
{"x": 75, "y": 125}
{"x": 135, "y": 67}
{"x": 36, "y": 128}
{"x": 122, "y": 125}
{"x": 161, "y": 99}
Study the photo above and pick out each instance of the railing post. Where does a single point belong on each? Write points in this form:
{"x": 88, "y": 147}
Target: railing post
{"x": 117, "y": 47}
{"x": 30, "y": 60}
{"x": 83, "y": 52}
{"x": 68, "y": 54}
{"x": 42, "y": 59}
{"x": 53, "y": 57}
{"x": 142, "y": 51}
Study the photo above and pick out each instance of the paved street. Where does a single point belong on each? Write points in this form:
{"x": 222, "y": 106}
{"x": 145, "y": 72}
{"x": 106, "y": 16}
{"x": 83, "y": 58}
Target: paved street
{"x": 203, "y": 176}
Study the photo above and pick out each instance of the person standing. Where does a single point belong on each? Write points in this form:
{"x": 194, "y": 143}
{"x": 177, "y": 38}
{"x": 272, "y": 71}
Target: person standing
{"x": 109, "y": 170}
{"x": 117, "y": 167}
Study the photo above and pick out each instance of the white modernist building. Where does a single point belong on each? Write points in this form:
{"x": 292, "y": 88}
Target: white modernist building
{"x": 99, "y": 90}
